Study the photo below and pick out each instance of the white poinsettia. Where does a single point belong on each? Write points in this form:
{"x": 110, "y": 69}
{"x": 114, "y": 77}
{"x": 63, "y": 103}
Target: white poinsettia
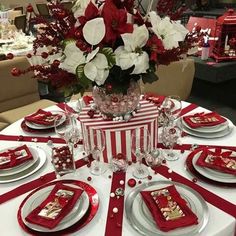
{"x": 94, "y": 31}
{"x": 170, "y": 32}
{"x": 131, "y": 53}
{"x": 126, "y": 59}
{"x": 137, "y": 39}
{"x": 97, "y": 69}
{"x": 73, "y": 57}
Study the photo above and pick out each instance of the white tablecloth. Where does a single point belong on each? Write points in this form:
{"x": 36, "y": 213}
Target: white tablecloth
{"x": 220, "y": 223}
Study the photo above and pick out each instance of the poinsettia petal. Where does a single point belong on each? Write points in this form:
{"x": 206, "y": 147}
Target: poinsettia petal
{"x": 92, "y": 54}
{"x": 94, "y": 31}
{"x": 100, "y": 61}
{"x": 90, "y": 71}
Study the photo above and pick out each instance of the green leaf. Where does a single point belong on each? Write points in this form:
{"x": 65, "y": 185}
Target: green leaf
{"x": 67, "y": 41}
{"x": 110, "y": 55}
{"x": 149, "y": 77}
{"x": 84, "y": 82}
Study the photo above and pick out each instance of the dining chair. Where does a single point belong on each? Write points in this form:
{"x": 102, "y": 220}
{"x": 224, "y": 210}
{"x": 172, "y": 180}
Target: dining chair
{"x": 19, "y": 8}
{"x": 174, "y": 79}
{"x": 43, "y": 10}
{"x": 20, "y": 22}
{"x": 67, "y": 5}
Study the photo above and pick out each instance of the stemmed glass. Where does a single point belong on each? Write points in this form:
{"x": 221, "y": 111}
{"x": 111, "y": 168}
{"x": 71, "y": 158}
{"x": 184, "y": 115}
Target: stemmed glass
{"x": 170, "y": 136}
{"x": 172, "y": 107}
{"x": 94, "y": 143}
{"x": 141, "y": 147}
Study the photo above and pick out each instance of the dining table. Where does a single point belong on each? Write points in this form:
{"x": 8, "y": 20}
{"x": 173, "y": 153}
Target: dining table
{"x": 110, "y": 215}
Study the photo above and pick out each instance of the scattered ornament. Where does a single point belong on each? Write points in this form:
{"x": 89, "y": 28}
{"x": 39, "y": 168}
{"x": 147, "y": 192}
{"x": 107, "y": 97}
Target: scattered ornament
{"x": 115, "y": 210}
{"x": 149, "y": 177}
{"x": 131, "y": 182}
{"x": 112, "y": 195}
{"x": 170, "y": 171}
{"x": 170, "y": 179}
{"x": 194, "y": 180}
{"x": 9, "y": 56}
{"x": 122, "y": 182}
{"x": 20, "y": 138}
{"x": 119, "y": 192}
{"x": 139, "y": 182}
{"x": 89, "y": 178}
{"x": 109, "y": 176}
{"x": 182, "y": 150}
{"x": 129, "y": 163}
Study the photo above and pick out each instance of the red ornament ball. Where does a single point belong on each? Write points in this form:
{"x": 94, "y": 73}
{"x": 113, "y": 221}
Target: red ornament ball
{"x": 29, "y": 8}
{"x": 15, "y": 71}
{"x": 194, "y": 180}
{"x": 9, "y": 56}
{"x": 129, "y": 163}
{"x": 44, "y": 55}
{"x": 109, "y": 87}
{"x": 29, "y": 55}
{"x": 114, "y": 99}
{"x": 139, "y": 181}
{"x": 131, "y": 182}
{"x": 164, "y": 161}
{"x": 149, "y": 177}
{"x": 56, "y": 63}
{"x": 89, "y": 178}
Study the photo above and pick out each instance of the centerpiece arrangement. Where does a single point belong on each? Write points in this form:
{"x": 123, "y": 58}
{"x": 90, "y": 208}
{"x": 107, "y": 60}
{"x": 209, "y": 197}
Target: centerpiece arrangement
{"x": 109, "y": 45}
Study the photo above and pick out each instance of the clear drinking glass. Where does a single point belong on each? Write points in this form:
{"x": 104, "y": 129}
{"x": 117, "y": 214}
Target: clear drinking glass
{"x": 63, "y": 155}
{"x": 172, "y": 107}
{"x": 94, "y": 143}
{"x": 171, "y": 134}
{"x": 141, "y": 146}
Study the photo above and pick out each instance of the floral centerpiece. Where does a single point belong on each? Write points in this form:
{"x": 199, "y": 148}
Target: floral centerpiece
{"x": 108, "y": 44}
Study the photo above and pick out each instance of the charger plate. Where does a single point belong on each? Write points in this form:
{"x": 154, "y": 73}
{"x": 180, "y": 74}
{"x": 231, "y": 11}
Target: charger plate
{"x": 142, "y": 221}
{"x": 75, "y": 215}
{"x": 41, "y": 159}
{"x": 90, "y": 214}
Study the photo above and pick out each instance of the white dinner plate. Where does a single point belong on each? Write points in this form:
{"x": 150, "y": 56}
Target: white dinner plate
{"x": 42, "y": 157}
{"x": 213, "y": 174}
{"x": 208, "y": 129}
{"x": 142, "y": 221}
{"x": 210, "y": 135}
{"x": 23, "y": 166}
{"x": 39, "y": 126}
{"x": 78, "y": 211}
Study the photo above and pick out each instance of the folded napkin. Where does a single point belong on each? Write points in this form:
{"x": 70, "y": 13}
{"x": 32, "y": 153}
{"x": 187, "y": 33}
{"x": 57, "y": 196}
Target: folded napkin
{"x": 219, "y": 159}
{"x": 203, "y": 119}
{"x": 87, "y": 99}
{"x": 55, "y": 207}
{"x": 42, "y": 117}
{"x": 15, "y": 157}
{"x": 157, "y": 99}
{"x": 168, "y": 208}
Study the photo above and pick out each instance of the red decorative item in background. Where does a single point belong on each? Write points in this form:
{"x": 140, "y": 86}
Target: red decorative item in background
{"x": 224, "y": 48}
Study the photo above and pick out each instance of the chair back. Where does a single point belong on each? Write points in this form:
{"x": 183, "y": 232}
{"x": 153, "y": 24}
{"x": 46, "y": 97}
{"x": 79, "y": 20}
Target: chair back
{"x": 19, "y": 8}
{"x": 174, "y": 79}
{"x": 16, "y": 91}
{"x": 20, "y": 22}
{"x": 43, "y": 9}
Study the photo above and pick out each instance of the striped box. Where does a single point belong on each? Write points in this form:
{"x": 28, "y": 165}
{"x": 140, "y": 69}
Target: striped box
{"x": 118, "y": 134}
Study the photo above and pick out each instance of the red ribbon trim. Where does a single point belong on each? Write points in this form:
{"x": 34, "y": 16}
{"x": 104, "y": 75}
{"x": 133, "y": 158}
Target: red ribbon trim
{"x": 115, "y": 220}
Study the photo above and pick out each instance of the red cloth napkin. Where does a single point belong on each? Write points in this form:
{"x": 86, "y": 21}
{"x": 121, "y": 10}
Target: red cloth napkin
{"x": 42, "y": 117}
{"x": 55, "y": 207}
{"x": 152, "y": 97}
{"x": 15, "y": 157}
{"x": 168, "y": 208}
{"x": 204, "y": 119}
{"x": 219, "y": 160}
{"x": 87, "y": 100}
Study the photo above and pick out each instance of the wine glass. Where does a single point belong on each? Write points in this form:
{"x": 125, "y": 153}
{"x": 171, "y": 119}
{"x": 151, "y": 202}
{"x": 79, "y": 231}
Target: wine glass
{"x": 94, "y": 143}
{"x": 172, "y": 107}
{"x": 63, "y": 125}
{"x": 154, "y": 158}
{"x": 171, "y": 134}
{"x": 140, "y": 146}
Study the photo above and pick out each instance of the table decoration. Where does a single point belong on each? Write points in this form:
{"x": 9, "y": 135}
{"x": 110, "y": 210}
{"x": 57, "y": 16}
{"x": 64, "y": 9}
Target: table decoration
{"x": 112, "y": 51}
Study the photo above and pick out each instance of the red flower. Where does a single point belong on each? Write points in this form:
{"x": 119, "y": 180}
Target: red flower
{"x": 156, "y": 47}
{"x": 91, "y": 12}
{"x": 115, "y": 22}
{"x": 127, "y": 4}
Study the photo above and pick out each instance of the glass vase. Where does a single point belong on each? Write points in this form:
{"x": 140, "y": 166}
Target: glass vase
{"x": 117, "y": 104}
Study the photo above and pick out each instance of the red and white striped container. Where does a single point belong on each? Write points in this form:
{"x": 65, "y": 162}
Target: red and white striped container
{"x": 118, "y": 134}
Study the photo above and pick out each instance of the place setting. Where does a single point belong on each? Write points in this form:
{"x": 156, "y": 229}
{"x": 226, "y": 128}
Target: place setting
{"x": 42, "y": 121}
{"x": 166, "y": 208}
{"x": 18, "y": 162}
{"x": 206, "y": 125}
{"x": 213, "y": 165}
